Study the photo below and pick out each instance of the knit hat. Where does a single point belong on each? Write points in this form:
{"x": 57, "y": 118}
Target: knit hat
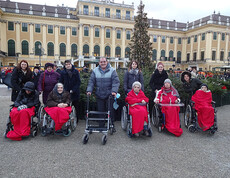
{"x": 29, "y": 86}
{"x": 204, "y": 85}
{"x": 160, "y": 63}
{"x": 136, "y": 83}
{"x": 168, "y": 81}
{"x": 36, "y": 67}
{"x": 49, "y": 65}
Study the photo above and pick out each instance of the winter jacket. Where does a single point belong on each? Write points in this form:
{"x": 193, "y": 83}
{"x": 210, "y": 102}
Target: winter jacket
{"x": 157, "y": 80}
{"x": 53, "y": 99}
{"x": 106, "y": 82}
{"x": 131, "y": 77}
{"x": 29, "y": 100}
{"x": 18, "y": 79}
{"x": 35, "y": 79}
{"x": 71, "y": 82}
{"x": 51, "y": 78}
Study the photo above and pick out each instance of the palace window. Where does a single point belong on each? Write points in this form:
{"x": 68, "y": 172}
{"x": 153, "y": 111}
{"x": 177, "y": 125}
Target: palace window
{"x": 62, "y": 49}
{"x": 86, "y": 10}
{"x": 50, "y": 29}
{"x": 11, "y": 26}
{"x": 107, "y": 33}
{"x": 74, "y": 31}
{"x": 50, "y": 49}
{"x": 107, "y": 12}
{"x": 25, "y": 47}
{"x": 11, "y": 48}
{"x": 24, "y": 27}
{"x": 73, "y": 50}
{"x": 37, "y": 28}
{"x": 96, "y": 11}
{"x": 128, "y": 35}
{"x": 97, "y": 32}
{"x": 127, "y": 17}
{"x": 86, "y": 31}
{"x": 118, "y": 34}
{"x": 62, "y": 30}
{"x": 118, "y": 13}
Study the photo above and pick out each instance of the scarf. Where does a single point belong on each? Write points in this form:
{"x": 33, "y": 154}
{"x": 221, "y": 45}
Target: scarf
{"x": 69, "y": 72}
{"x": 49, "y": 73}
{"x": 134, "y": 71}
{"x": 171, "y": 89}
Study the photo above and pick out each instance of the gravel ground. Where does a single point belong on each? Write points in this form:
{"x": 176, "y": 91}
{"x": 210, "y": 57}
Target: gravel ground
{"x": 162, "y": 155}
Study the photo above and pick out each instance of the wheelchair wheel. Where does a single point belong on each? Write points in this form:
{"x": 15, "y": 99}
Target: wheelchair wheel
{"x": 124, "y": 118}
{"x": 41, "y": 114}
{"x": 159, "y": 129}
{"x": 85, "y": 138}
{"x": 187, "y": 116}
{"x": 129, "y": 130}
{"x": 103, "y": 139}
{"x": 35, "y": 132}
{"x": 73, "y": 119}
{"x": 43, "y": 131}
{"x": 212, "y": 132}
{"x": 67, "y": 132}
{"x": 192, "y": 128}
{"x": 155, "y": 116}
{"x": 150, "y": 132}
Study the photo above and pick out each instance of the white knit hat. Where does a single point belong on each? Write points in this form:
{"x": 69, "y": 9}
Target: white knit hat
{"x": 168, "y": 81}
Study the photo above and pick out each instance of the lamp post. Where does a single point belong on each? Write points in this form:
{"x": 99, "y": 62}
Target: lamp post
{"x": 41, "y": 52}
{"x": 17, "y": 55}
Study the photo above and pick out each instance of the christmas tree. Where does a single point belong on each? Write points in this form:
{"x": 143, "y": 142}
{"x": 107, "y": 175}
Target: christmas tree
{"x": 141, "y": 47}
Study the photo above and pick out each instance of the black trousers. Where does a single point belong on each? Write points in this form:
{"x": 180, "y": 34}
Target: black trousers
{"x": 104, "y": 105}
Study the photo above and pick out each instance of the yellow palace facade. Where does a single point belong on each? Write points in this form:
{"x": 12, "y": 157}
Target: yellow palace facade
{"x": 40, "y": 34}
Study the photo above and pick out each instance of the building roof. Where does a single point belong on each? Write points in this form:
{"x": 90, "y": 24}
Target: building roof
{"x": 180, "y": 26}
{"x": 39, "y": 10}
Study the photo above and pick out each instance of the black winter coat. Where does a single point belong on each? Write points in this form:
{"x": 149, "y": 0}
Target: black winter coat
{"x": 18, "y": 80}
{"x": 25, "y": 99}
{"x": 71, "y": 83}
{"x": 130, "y": 78}
{"x": 35, "y": 79}
{"x": 53, "y": 99}
{"x": 157, "y": 80}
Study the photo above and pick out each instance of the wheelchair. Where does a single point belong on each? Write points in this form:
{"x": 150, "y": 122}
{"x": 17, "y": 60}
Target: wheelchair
{"x": 33, "y": 123}
{"x": 92, "y": 117}
{"x": 158, "y": 118}
{"x": 191, "y": 119}
{"x": 126, "y": 121}
{"x": 47, "y": 125}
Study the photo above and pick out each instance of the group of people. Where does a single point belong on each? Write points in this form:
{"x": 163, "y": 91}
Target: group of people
{"x": 59, "y": 90}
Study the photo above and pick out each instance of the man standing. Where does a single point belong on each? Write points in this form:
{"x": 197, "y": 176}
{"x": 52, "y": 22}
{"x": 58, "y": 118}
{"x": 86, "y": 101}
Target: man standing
{"x": 70, "y": 78}
{"x": 107, "y": 83}
{"x": 35, "y": 76}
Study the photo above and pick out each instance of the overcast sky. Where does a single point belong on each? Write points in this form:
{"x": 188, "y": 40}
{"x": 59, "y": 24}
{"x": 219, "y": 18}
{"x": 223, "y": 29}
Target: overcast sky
{"x": 179, "y": 10}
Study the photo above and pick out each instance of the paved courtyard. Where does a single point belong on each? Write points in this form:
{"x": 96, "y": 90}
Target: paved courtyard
{"x": 162, "y": 155}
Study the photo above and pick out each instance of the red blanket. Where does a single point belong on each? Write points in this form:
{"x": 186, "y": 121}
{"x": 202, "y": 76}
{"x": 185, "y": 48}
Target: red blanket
{"x": 139, "y": 113}
{"x": 204, "y": 109}
{"x": 172, "y": 119}
{"x": 21, "y": 120}
{"x": 59, "y": 115}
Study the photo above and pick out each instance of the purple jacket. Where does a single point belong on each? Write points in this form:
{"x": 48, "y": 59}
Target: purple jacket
{"x": 51, "y": 78}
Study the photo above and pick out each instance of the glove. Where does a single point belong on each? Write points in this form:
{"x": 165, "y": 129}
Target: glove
{"x": 21, "y": 107}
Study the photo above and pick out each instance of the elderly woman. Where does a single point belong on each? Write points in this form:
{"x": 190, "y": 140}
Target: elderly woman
{"x": 47, "y": 81}
{"x": 20, "y": 75}
{"x": 169, "y": 95}
{"x": 137, "y": 101}
{"x": 24, "y": 109}
{"x": 203, "y": 106}
{"x": 132, "y": 75}
{"x": 58, "y": 106}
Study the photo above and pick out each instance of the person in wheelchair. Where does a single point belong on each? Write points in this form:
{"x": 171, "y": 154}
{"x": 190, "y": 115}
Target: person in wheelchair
{"x": 58, "y": 108}
{"x": 169, "y": 95}
{"x": 203, "y": 107}
{"x": 22, "y": 111}
{"x": 137, "y": 101}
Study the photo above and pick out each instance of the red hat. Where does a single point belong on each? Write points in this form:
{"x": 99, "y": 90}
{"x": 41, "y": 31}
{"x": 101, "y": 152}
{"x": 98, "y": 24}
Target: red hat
{"x": 160, "y": 63}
